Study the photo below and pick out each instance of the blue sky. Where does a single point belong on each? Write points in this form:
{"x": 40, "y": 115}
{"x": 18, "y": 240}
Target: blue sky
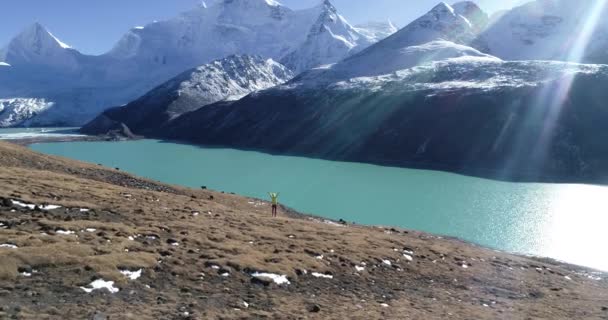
{"x": 93, "y": 26}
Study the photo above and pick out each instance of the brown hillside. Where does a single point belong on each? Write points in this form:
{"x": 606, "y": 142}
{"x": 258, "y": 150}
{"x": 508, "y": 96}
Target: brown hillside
{"x": 198, "y": 249}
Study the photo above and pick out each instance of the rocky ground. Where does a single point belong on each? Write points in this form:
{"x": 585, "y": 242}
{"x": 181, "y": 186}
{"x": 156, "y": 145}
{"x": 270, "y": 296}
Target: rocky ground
{"x": 166, "y": 252}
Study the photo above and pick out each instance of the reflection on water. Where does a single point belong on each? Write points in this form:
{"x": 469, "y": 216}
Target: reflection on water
{"x": 566, "y": 222}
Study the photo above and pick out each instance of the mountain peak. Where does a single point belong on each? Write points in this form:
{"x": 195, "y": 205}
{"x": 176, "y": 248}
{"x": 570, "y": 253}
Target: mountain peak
{"x": 37, "y": 46}
{"x": 37, "y": 35}
{"x": 443, "y": 8}
{"x": 328, "y": 5}
{"x": 440, "y": 23}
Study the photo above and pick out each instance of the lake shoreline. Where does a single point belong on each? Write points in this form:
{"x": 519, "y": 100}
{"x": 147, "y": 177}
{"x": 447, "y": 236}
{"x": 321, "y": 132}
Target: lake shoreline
{"x": 478, "y": 172}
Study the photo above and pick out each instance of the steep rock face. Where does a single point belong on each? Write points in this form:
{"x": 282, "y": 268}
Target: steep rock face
{"x": 17, "y": 111}
{"x": 226, "y": 79}
{"x": 550, "y": 30}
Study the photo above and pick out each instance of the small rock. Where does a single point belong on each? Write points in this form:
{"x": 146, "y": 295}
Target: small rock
{"x": 313, "y": 308}
{"x": 7, "y": 203}
{"x": 604, "y": 308}
{"x": 25, "y": 269}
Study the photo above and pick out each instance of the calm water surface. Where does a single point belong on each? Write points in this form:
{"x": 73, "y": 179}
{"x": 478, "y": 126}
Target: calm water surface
{"x": 566, "y": 222}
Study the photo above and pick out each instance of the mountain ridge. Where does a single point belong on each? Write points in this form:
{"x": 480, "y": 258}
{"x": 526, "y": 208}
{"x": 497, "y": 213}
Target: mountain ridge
{"x": 224, "y": 79}
{"x": 82, "y": 86}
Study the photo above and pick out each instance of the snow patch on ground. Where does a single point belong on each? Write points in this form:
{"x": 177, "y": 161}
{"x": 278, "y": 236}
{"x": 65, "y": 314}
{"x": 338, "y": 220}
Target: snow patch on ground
{"x": 65, "y": 232}
{"x": 132, "y": 275}
{"x": 100, "y": 284}
{"x": 332, "y": 223}
{"x": 32, "y": 206}
{"x": 278, "y": 279}
{"x": 8, "y": 245}
{"x": 322, "y": 275}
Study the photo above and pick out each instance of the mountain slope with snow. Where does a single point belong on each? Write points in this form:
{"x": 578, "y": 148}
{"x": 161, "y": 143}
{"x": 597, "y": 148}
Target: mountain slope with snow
{"x": 434, "y": 36}
{"x": 550, "y": 30}
{"x": 507, "y": 120}
{"x": 81, "y": 86}
{"x": 227, "y": 79}
{"x": 17, "y": 111}
{"x": 256, "y": 27}
{"x": 330, "y": 39}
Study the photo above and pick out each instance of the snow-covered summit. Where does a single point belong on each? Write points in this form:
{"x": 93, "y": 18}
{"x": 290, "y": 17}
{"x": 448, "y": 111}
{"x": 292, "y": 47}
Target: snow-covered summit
{"x": 330, "y": 39}
{"x": 442, "y": 22}
{"x": 301, "y": 39}
{"x": 35, "y": 45}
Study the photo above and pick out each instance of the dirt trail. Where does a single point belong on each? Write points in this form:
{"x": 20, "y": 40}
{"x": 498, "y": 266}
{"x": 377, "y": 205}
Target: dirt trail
{"x": 208, "y": 255}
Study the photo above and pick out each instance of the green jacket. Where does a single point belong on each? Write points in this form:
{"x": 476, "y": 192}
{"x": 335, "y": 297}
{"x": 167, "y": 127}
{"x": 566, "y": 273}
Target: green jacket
{"x": 274, "y": 197}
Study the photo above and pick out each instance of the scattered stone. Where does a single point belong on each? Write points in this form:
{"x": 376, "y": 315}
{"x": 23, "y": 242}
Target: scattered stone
{"x": 7, "y": 202}
{"x": 313, "y": 308}
{"x": 100, "y": 316}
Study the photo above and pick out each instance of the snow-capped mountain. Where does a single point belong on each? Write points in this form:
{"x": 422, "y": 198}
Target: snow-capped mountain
{"x": 550, "y": 30}
{"x": 256, "y": 27}
{"x": 330, "y": 39}
{"x": 424, "y": 97}
{"x": 436, "y": 35}
{"x": 377, "y": 30}
{"x": 230, "y": 78}
{"x": 37, "y": 47}
{"x": 81, "y": 86}
{"x": 464, "y": 114}
{"x": 443, "y": 22}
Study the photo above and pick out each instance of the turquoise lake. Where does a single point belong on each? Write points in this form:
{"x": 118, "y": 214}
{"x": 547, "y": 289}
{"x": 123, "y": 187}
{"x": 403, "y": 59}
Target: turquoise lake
{"x": 562, "y": 221}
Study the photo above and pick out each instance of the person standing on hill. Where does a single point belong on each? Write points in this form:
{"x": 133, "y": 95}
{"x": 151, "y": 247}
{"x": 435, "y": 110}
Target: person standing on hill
{"x": 275, "y": 202}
